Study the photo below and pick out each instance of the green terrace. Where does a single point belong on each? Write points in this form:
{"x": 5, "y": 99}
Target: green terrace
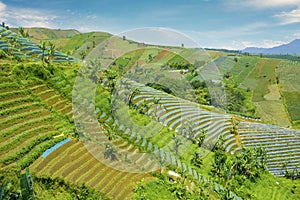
{"x": 20, "y": 47}
{"x": 282, "y": 145}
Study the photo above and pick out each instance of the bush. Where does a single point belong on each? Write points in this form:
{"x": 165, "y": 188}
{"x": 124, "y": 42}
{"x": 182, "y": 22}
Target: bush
{"x": 3, "y": 55}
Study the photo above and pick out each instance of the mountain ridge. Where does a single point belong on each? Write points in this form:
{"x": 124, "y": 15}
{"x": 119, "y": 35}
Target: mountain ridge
{"x": 292, "y": 47}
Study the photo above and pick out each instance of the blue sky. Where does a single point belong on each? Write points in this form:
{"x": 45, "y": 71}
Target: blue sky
{"x": 229, "y": 24}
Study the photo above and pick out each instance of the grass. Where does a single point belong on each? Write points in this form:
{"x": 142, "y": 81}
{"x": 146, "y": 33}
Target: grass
{"x": 293, "y": 104}
{"x": 264, "y": 73}
{"x": 79, "y": 40}
{"x": 154, "y": 190}
{"x": 273, "y": 112}
{"x": 288, "y": 74}
{"x": 243, "y": 67}
{"x": 283, "y": 190}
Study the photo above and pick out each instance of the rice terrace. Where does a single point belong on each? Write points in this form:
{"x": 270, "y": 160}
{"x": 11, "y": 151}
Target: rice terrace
{"x": 95, "y": 115}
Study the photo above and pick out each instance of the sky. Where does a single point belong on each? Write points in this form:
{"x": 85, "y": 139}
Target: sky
{"x": 231, "y": 24}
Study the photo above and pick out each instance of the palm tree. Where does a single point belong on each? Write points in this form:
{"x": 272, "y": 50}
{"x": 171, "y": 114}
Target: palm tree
{"x": 135, "y": 92}
{"x": 158, "y": 105}
{"x": 197, "y": 160}
{"x": 144, "y": 108}
{"x": 200, "y": 138}
{"x": 51, "y": 50}
{"x": 82, "y": 54}
{"x": 177, "y": 144}
{"x": 21, "y": 32}
{"x": 110, "y": 131}
{"x": 110, "y": 152}
{"x": 42, "y": 46}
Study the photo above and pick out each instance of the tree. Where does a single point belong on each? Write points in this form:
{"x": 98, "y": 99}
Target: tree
{"x": 26, "y": 183}
{"x": 83, "y": 54}
{"x": 51, "y": 51}
{"x": 42, "y": 46}
{"x": 200, "y": 138}
{"x": 21, "y": 32}
{"x": 110, "y": 132}
{"x": 197, "y": 160}
{"x": 110, "y": 152}
{"x": 157, "y": 105}
{"x": 135, "y": 92}
{"x": 150, "y": 57}
{"x": 177, "y": 144}
{"x": 17, "y": 189}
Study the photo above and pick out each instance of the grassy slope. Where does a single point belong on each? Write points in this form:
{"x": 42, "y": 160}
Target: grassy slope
{"x": 58, "y": 36}
{"x": 260, "y": 77}
{"x": 71, "y": 41}
{"x": 84, "y": 41}
{"x": 288, "y": 77}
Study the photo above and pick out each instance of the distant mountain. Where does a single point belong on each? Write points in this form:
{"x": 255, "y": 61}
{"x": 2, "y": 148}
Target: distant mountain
{"x": 290, "y": 48}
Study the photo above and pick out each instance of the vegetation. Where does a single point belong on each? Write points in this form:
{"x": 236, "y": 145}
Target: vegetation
{"x": 36, "y": 96}
{"x": 16, "y": 185}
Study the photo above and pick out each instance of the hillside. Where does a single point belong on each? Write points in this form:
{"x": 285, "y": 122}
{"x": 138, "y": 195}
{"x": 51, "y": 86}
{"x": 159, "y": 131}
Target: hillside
{"x": 116, "y": 127}
{"x": 71, "y": 42}
{"x": 291, "y": 48}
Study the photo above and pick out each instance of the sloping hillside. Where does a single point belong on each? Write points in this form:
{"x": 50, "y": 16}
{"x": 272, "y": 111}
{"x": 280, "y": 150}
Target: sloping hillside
{"x": 20, "y": 47}
{"x": 71, "y": 42}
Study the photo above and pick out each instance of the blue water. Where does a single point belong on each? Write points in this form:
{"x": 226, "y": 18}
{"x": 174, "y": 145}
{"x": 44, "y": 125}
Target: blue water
{"x": 51, "y": 149}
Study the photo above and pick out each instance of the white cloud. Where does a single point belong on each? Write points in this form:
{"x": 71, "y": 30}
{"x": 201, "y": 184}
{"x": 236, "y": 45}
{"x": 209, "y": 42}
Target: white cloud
{"x": 214, "y": 38}
{"x": 264, "y": 4}
{"x": 262, "y": 44}
{"x": 271, "y": 3}
{"x": 160, "y": 36}
{"x": 26, "y": 17}
{"x": 296, "y": 34}
{"x": 2, "y": 7}
{"x": 289, "y": 17}
{"x": 240, "y": 44}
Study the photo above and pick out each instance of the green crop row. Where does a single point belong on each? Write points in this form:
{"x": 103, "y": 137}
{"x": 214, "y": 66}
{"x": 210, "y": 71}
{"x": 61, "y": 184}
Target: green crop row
{"x": 24, "y": 125}
{"x": 38, "y": 151}
{"x": 22, "y": 116}
{"x": 25, "y": 134}
{"x": 25, "y": 150}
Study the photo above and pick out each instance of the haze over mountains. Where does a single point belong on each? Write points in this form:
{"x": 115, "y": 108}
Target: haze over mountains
{"x": 290, "y": 48}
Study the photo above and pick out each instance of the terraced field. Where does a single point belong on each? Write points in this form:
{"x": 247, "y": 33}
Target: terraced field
{"x": 131, "y": 140}
{"x": 181, "y": 115}
{"x": 53, "y": 99}
{"x": 27, "y": 127}
{"x": 75, "y": 163}
{"x": 282, "y": 145}
{"x": 21, "y": 47}
{"x": 37, "y": 114}
{"x": 33, "y": 120}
